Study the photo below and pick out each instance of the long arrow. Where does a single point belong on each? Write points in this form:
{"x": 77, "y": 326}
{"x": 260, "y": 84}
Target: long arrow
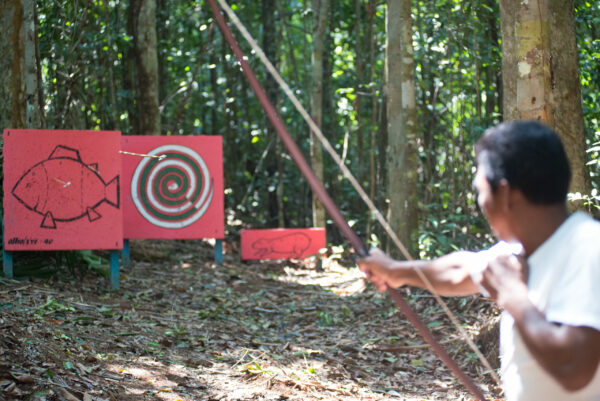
{"x": 330, "y": 206}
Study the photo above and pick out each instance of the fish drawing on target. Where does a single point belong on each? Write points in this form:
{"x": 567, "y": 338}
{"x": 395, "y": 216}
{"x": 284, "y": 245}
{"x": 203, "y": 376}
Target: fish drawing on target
{"x": 173, "y": 189}
{"x": 63, "y": 188}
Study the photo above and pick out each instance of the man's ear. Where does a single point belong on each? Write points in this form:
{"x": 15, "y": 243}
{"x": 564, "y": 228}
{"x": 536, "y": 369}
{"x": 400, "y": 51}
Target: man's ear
{"x": 512, "y": 196}
{"x": 504, "y": 195}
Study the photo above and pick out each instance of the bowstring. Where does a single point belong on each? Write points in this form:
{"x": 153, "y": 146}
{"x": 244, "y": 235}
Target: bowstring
{"x": 316, "y": 130}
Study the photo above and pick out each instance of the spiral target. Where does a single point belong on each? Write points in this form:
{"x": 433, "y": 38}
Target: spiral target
{"x": 172, "y": 191}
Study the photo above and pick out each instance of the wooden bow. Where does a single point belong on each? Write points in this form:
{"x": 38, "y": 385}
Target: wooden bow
{"x": 330, "y": 206}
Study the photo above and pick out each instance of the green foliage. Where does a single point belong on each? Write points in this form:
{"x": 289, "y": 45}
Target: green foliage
{"x": 591, "y": 200}
{"x": 587, "y": 14}
{"x": 458, "y": 90}
{"x": 78, "y": 262}
{"x": 588, "y": 24}
{"x": 255, "y": 368}
{"x": 177, "y": 331}
{"x": 325, "y": 319}
{"x": 51, "y": 307}
{"x": 87, "y": 68}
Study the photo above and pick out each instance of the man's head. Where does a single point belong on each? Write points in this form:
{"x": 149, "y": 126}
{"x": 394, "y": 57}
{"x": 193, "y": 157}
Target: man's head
{"x": 521, "y": 167}
{"x": 529, "y": 156}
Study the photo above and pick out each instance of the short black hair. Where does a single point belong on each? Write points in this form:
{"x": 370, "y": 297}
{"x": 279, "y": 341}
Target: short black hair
{"x": 530, "y": 156}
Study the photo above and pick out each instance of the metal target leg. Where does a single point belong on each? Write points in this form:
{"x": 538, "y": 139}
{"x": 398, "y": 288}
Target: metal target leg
{"x": 114, "y": 269}
{"x": 125, "y": 254}
{"x": 219, "y": 252}
{"x": 7, "y": 258}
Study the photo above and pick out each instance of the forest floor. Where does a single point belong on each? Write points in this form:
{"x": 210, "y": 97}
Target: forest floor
{"x": 183, "y": 328}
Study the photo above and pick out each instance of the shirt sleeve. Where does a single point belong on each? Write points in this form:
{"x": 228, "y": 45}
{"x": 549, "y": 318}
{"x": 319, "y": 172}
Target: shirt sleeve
{"x": 575, "y": 299}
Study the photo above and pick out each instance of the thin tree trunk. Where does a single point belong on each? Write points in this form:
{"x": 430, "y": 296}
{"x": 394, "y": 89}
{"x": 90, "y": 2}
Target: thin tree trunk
{"x": 226, "y": 129}
{"x": 162, "y": 15}
{"x": 476, "y": 57}
{"x": 129, "y": 84}
{"x": 382, "y": 146}
{"x": 320, "y": 10}
{"x": 112, "y": 106}
{"x": 429, "y": 100}
{"x": 38, "y": 64}
{"x": 214, "y": 88}
{"x": 147, "y": 66}
{"x": 371, "y": 40}
{"x": 31, "y": 75}
{"x": 359, "y": 57}
{"x": 270, "y": 47}
{"x": 285, "y": 34}
{"x": 279, "y": 146}
{"x": 402, "y": 123}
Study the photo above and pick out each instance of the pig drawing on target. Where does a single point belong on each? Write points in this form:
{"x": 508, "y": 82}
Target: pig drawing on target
{"x": 289, "y": 245}
{"x": 63, "y": 188}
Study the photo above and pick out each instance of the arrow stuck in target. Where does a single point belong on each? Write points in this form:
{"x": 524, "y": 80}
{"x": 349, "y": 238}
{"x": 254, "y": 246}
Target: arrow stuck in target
{"x": 159, "y": 157}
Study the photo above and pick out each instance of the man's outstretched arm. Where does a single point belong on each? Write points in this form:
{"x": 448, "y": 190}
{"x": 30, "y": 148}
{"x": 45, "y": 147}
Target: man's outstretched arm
{"x": 449, "y": 275}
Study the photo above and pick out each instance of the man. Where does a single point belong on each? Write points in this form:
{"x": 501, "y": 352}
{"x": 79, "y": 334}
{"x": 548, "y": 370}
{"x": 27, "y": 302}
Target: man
{"x": 544, "y": 274}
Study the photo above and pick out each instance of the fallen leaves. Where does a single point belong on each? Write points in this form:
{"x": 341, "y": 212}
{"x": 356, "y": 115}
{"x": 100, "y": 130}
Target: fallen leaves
{"x": 184, "y": 329}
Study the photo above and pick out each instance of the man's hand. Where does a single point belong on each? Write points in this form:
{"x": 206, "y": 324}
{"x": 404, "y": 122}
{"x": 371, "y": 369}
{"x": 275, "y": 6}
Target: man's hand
{"x": 379, "y": 268}
{"x": 504, "y": 279}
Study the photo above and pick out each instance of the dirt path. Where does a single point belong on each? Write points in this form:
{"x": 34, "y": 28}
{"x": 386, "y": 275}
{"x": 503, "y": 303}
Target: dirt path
{"x": 182, "y": 328}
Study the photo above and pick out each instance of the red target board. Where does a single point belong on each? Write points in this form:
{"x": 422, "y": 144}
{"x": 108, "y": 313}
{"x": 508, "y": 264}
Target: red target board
{"x": 62, "y": 190}
{"x": 282, "y": 243}
{"x": 173, "y": 187}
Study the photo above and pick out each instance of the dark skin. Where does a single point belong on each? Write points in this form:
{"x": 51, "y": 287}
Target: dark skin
{"x": 570, "y": 354}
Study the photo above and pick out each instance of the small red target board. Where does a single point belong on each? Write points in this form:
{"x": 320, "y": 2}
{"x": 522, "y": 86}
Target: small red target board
{"x": 282, "y": 243}
{"x": 62, "y": 190}
{"x": 173, "y": 187}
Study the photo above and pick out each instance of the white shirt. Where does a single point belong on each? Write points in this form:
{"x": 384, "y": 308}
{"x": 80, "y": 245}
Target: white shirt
{"x": 564, "y": 284}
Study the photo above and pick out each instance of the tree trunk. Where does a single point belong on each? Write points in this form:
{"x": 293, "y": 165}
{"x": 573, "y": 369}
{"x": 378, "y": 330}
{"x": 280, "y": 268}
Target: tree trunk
{"x": 371, "y": 41}
{"x": 20, "y": 85}
{"x": 541, "y": 74}
{"x": 270, "y": 44}
{"x": 111, "y": 120}
{"x": 32, "y": 84}
{"x": 402, "y": 122}
{"x": 476, "y": 58}
{"x": 12, "y": 62}
{"x": 320, "y": 10}
{"x": 144, "y": 30}
{"x": 429, "y": 96}
{"x": 359, "y": 65}
{"x": 214, "y": 89}
{"x": 279, "y": 150}
{"x": 129, "y": 85}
